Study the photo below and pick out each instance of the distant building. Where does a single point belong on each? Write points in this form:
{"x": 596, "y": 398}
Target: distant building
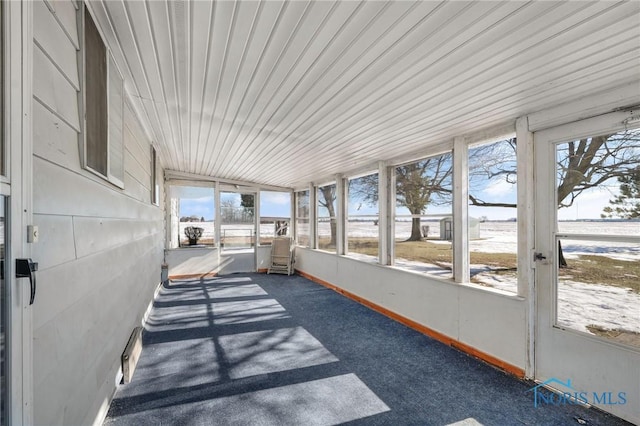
{"x": 446, "y": 228}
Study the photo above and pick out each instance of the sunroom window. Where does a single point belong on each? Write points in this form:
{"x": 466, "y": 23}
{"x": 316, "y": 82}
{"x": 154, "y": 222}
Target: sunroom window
{"x": 424, "y": 218}
{"x": 362, "y": 217}
{"x": 302, "y": 218}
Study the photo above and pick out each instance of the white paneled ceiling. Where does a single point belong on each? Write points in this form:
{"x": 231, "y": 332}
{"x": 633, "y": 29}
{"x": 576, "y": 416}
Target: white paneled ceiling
{"x": 284, "y": 93}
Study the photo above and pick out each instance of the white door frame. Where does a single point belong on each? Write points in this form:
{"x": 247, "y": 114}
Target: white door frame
{"x": 591, "y": 363}
{"x": 18, "y": 98}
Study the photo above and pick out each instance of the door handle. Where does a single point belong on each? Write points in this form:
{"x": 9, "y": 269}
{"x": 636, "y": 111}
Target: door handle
{"x": 539, "y": 256}
{"x": 26, "y": 268}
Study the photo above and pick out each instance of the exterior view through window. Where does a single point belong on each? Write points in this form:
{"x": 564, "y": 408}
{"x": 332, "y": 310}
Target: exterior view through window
{"x": 275, "y": 215}
{"x": 327, "y": 225}
{"x": 237, "y": 215}
{"x": 362, "y": 210}
{"x": 493, "y": 242}
{"x": 423, "y": 218}
{"x": 598, "y": 236}
{"x": 302, "y": 218}
{"x": 194, "y": 208}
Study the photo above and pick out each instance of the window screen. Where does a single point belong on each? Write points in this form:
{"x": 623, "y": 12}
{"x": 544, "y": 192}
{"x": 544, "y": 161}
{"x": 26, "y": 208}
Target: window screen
{"x": 96, "y": 101}
{"x": 104, "y": 107}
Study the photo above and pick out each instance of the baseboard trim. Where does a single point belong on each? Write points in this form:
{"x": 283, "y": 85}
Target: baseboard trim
{"x": 490, "y": 359}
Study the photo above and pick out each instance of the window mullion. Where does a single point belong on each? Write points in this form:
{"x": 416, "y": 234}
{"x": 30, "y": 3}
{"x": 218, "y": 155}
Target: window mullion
{"x": 313, "y": 216}
{"x": 460, "y": 210}
{"x": 526, "y": 208}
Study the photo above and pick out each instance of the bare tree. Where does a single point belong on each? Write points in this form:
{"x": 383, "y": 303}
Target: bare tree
{"x": 228, "y": 207}
{"x": 590, "y": 162}
{"x": 327, "y": 200}
{"x": 488, "y": 164}
{"x": 418, "y": 185}
{"x": 421, "y": 184}
{"x": 581, "y": 164}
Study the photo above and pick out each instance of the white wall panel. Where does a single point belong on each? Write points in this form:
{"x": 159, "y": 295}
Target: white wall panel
{"x": 232, "y": 262}
{"x": 135, "y": 189}
{"x": 491, "y": 323}
{"x": 53, "y": 90}
{"x": 101, "y": 234}
{"x": 89, "y": 327}
{"x": 48, "y": 33}
{"x": 66, "y": 13}
{"x": 89, "y": 198}
{"x": 135, "y": 169}
{"x": 137, "y": 146}
{"x": 202, "y": 261}
{"x": 100, "y": 247}
{"x": 192, "y": 261}
{"x": 53, "y": 139}
{"x": 56, "y": 244}
{"x": 263, "y": 257}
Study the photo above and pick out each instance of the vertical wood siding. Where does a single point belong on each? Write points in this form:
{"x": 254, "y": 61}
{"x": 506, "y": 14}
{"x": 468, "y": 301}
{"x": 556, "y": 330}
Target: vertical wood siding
{"x": 100, "y": 247}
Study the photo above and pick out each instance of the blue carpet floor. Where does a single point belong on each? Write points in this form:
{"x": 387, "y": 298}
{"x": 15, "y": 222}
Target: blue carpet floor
{"x": 256, "y": 349}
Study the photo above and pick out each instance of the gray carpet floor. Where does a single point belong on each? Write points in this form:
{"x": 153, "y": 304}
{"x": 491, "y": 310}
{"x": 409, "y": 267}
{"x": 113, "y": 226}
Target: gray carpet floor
{"x": 255, "y": 349}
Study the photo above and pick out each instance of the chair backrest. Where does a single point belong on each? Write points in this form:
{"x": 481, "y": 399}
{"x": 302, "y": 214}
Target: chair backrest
{"x": 281, "y": 246}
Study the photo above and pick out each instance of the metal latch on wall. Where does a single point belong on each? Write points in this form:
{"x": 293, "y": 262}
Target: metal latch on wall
{"x": 537, "y": 257}
{"x": 26, "y": 268}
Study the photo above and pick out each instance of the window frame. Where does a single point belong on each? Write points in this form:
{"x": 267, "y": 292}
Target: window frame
{"x": 331, "y": 218}
{"x": 155, "y": 186}
{"x": 399, "y": 262}
{"x": 288, "y": 228}
{"x": 4, "y": 152}
{"x": 111, "y": 68}
{"x": 347, "y": 239}
{"x": 173, "y": 227}
{"x": 515, "y": 159}
{"x": 298, "y": 217}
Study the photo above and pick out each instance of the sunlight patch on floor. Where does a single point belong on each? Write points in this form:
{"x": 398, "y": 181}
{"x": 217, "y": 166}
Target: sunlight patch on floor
{"x": 270, "y": 351}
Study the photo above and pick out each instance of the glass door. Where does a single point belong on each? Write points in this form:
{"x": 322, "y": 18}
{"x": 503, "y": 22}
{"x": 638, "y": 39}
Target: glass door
{"x": 4, "y": 309}
{"x": 588, "y": 263}
{"x": 16, "y": 177}
{"x": 238, "y": 221}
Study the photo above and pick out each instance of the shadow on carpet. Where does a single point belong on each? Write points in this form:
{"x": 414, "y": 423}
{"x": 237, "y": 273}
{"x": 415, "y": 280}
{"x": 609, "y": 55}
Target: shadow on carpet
{"x": 256, "y": 349}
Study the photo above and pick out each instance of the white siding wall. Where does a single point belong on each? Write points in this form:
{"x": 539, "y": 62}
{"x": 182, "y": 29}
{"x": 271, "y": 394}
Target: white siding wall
{"x": 100, "y": 247}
